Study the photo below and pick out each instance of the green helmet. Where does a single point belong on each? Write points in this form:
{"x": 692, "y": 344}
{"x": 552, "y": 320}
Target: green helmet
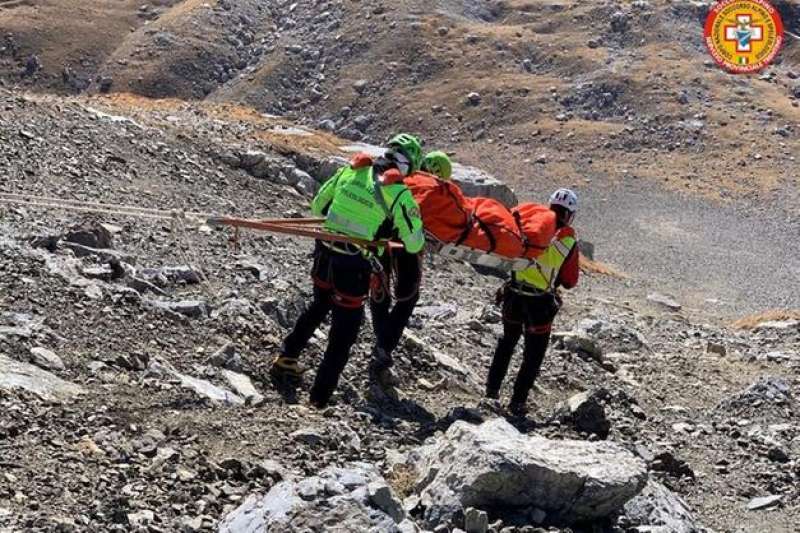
{"x": 438, "y": 163}
{"x": 410, "y": 146}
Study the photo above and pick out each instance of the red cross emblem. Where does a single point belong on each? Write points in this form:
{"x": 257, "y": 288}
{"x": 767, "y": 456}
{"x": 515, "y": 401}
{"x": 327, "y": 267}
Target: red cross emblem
{"x": 744, "y": 33}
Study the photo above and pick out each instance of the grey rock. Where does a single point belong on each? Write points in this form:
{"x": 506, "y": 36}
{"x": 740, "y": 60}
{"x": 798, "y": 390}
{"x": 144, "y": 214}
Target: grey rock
{"x": 251, "y": 158}
{"x": 235, "y": 307}
{"x": 90, "y": 235}
{"x": 360, "y": 86}
{"x": 189, "y": 308}
{"x": 763, "y": 502}
{"x": 473, "y": 99}
{"x": 437, "y": 312}
{"x": 586, "y": 413}
{"x": 308, "y": 437}
{"x": 611, "y": 334}
{"x": 475, "y": 182}
{"x": 141, "y": 518}
{"x": 362, "y": 122}
{"x": 579, "y": 342}
{"x": 227, "y": 357}
{"x": 382, "y": 497}
{"x": 47, "y": 359}
{"x": 18, "y": 375}
{"x": 765, "y": 390}
{"x": 665, "y": 301}
{"x": 201, "y": 387}
{"x": 243, "y": 386}
{"x": 478, "y": 466}
{"x": 657, "y": 506}
{"x": 105, "y": 84}
{"x": 463, "y": 377}
{"x": 290, "y": 503}
{"x": 327, "y": 125}
{"x": 619, "y": 22}
{"x": 475, "y": 521}
{"x": 104, "y": 254}
{"x": 230, "y": 159}
{"x": 716, "y": 348}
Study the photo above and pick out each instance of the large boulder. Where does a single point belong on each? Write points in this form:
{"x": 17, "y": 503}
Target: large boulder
{"x": 494, "y": 467}
{"x": 476, "y": 182}
{"x": 660, "y": 509}
{"x": 353, "y": 498}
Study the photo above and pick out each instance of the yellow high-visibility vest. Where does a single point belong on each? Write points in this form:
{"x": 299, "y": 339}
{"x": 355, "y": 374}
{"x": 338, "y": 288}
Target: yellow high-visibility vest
{"x": 544, "y": 273}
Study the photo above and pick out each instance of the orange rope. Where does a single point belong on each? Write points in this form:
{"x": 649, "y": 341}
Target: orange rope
{"x": 285, "y": 226}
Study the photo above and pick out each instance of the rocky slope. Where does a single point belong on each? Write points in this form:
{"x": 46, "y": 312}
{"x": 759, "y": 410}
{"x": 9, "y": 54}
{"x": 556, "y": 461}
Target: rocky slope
{"x": 616, "y": 99}
{"x": 152, "y": 409}
{"x": 133, "y": 350}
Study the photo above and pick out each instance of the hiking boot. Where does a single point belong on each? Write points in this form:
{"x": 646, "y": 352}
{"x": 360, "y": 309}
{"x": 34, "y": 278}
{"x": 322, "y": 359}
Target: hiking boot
{"x": 286, "y": 367}
{"x": 518, "y": 408}
{"x": 492, "y": 394}
{"x": 381, "y": 359}
{"x": 319, "y": 405}
{"x": 379, "y": 393}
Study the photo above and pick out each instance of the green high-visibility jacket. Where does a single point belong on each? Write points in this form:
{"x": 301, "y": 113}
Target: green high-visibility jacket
{"x": 356, "y": 204}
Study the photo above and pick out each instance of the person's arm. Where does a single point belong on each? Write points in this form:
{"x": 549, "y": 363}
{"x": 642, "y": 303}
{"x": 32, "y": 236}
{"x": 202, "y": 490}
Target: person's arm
{"x": 408, "y": 222}
{"x": 570, "y": 270}
{"x": 323, "y": 199}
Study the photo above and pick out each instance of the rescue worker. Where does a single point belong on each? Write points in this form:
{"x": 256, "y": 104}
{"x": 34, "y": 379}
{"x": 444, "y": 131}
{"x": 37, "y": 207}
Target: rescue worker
{"x": 367, "y": 203}
{"x": 405, "y": 269}
{"x": 530, "y": 303}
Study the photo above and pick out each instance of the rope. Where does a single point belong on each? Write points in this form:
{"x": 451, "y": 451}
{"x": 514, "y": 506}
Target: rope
{"x": 176, "y": 217}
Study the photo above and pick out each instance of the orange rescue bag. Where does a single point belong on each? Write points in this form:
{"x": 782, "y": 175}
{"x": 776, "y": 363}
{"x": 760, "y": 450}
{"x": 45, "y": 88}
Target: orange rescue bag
{"x": 537, "y": 225}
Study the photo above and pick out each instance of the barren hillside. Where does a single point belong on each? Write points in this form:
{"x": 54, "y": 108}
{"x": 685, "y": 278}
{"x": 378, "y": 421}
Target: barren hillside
{"x": 134, "y": 348}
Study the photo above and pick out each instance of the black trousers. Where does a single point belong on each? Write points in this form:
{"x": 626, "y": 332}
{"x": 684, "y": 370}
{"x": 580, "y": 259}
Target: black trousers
{"x": 389, "y": 321}
{"x": 341, "y": 284}
{"x": 531, "y": 316}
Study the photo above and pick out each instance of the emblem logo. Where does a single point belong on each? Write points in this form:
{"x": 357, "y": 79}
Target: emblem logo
{"x": 744, "y": 36}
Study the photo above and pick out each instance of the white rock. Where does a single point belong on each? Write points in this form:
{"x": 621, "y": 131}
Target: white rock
{"x": 666, "y": 301}
{"x": 243, "y": 386}
{"x": 358, "y": 505}
{"x": 657, "y": 506}
{"x": 18, "y": 375}
{"x": 479, "y": 466}
{"x": 47, "y": 359}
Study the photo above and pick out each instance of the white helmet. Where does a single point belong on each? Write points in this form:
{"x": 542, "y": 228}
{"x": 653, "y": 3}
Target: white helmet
{"x": 566, "y": 199}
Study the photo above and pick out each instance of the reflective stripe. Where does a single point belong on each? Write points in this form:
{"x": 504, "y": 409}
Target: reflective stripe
{"x": 349, "y": 225}
{"x": 417, "y": 237}
{"x": 562, "y": 248}
{"x": 544, "y": 273}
